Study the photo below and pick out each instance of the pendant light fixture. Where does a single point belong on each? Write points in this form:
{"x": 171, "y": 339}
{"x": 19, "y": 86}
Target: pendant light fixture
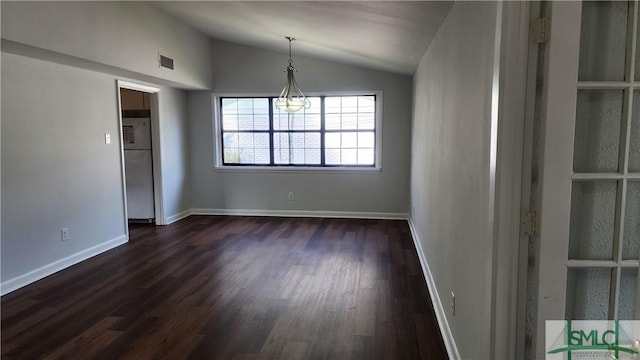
{"x": 291, "y": 98}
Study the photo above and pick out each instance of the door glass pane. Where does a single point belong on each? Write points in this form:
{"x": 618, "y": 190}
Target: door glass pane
{"x": 637, "y": 74}
{"x": 592, "y": 220}
{"x": 631, "y": 242}
{"x": 597, "y": 134}
{"x": 588, "y": 294}
{"x": 628, "y": 294}
{"x": 603, "y": 40}
{"x": 634, "y": 145}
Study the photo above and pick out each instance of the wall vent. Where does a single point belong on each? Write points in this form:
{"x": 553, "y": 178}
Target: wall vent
{"x": 166, "y": 62}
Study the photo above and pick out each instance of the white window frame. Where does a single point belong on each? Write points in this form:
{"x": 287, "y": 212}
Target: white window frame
{"x": 217, "y": 136}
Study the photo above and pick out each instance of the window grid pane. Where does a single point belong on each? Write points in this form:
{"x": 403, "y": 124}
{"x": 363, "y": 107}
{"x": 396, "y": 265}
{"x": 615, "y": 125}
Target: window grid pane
{"x": 350, "y": 148}
{"x": 255, "y": 132}
{"x": 634, "y": 146}
{"x": 591, "y": 233}
{"x": 628, "y": 294}
{"x": 603, "y": 40}
{"x": 296, "y": 148}
{"x": 593, "y": 284}
{"x": 631, "y": 241}
{"x": 346, "y": 141}
{"x": 597, "y": 130}
{"x": 305, "y": 119}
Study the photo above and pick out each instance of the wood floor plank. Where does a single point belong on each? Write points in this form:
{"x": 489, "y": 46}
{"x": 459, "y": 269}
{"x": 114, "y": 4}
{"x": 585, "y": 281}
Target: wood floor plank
{"x": 294, "y": 350}
{"x": 224, "y": 287}
{"x": 88, "y": 343}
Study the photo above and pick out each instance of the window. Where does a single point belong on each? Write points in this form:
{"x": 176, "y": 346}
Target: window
{"x": 335, "y": 131}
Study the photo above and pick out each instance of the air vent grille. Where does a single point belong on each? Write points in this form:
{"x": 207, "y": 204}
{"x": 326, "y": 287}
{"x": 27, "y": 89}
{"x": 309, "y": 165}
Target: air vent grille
{"x": 166, "y": 62}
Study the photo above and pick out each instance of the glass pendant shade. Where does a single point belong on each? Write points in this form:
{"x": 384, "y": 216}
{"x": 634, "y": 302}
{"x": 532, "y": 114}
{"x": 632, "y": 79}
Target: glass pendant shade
{"x": 291, "y": 98}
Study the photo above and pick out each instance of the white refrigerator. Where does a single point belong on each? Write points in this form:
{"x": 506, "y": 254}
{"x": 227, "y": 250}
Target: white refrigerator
{"x": 138, "y": 164}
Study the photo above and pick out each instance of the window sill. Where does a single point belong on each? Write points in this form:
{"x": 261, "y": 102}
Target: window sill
{"x": 298, "y": 169}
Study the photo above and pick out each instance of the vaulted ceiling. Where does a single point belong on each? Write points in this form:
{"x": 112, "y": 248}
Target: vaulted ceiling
{"x": 384, "y": 35}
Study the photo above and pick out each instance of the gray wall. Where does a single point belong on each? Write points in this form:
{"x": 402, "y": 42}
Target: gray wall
{"x": 174, "y": 133}
{"x": 450, "y": 169}
{"x": 57, "y": 171}
{"x": 243, "y": 69}
{"x": 122, "y": 35}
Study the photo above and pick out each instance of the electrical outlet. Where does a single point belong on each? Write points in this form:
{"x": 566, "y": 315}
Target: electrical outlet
{"x": 64, "y": 234}
{"x": 290, "y": 196}
{"x": 453, "y": 304}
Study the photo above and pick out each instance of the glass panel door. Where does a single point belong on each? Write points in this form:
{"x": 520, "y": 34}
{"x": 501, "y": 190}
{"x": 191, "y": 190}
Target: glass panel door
{"x": 586, "y": 249}
{"x": 602, "y": 263}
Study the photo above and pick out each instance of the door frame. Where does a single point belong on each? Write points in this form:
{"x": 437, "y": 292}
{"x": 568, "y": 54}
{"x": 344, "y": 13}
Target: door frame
{"x": 509, "y": 114}
{"x": 527, "y": 188}
{"x": 559, "y": 97}
{"x": 154, "y": 93}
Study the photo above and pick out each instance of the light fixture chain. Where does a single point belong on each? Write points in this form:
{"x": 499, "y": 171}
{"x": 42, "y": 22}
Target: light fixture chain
{"x": 290, "y": 58}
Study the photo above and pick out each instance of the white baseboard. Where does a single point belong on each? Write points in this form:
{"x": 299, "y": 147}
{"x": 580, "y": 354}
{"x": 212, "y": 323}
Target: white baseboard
{"x": 302, "y": 213}
{"x": 445, "y": 330}
{"x": 176, "y": 217}
{"x": 49, "y": 269}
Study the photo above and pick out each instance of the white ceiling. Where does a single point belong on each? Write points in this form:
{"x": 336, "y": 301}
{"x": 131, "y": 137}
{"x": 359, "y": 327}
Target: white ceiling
{"x": 384, "y": 35}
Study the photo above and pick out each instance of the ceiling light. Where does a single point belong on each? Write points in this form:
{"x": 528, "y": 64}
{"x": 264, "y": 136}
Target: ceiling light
{"x": 291, "y": 98}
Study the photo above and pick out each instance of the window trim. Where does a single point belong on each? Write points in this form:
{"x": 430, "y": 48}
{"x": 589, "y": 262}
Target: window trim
{"x": 217, "y": 136}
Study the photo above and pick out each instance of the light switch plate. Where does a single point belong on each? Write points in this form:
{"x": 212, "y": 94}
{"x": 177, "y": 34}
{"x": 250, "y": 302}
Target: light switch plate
{"x": 107, "y": 138}
{"x": 64, "y": 234}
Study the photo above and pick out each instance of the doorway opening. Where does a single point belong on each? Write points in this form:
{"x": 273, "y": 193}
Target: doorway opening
{"x": 139, "y": 139}
{"x": 138, "y": 155}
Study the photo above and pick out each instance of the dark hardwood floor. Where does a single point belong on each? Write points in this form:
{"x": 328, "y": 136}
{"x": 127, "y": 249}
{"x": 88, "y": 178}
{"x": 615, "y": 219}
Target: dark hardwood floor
{"x": 211, "y": 287}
